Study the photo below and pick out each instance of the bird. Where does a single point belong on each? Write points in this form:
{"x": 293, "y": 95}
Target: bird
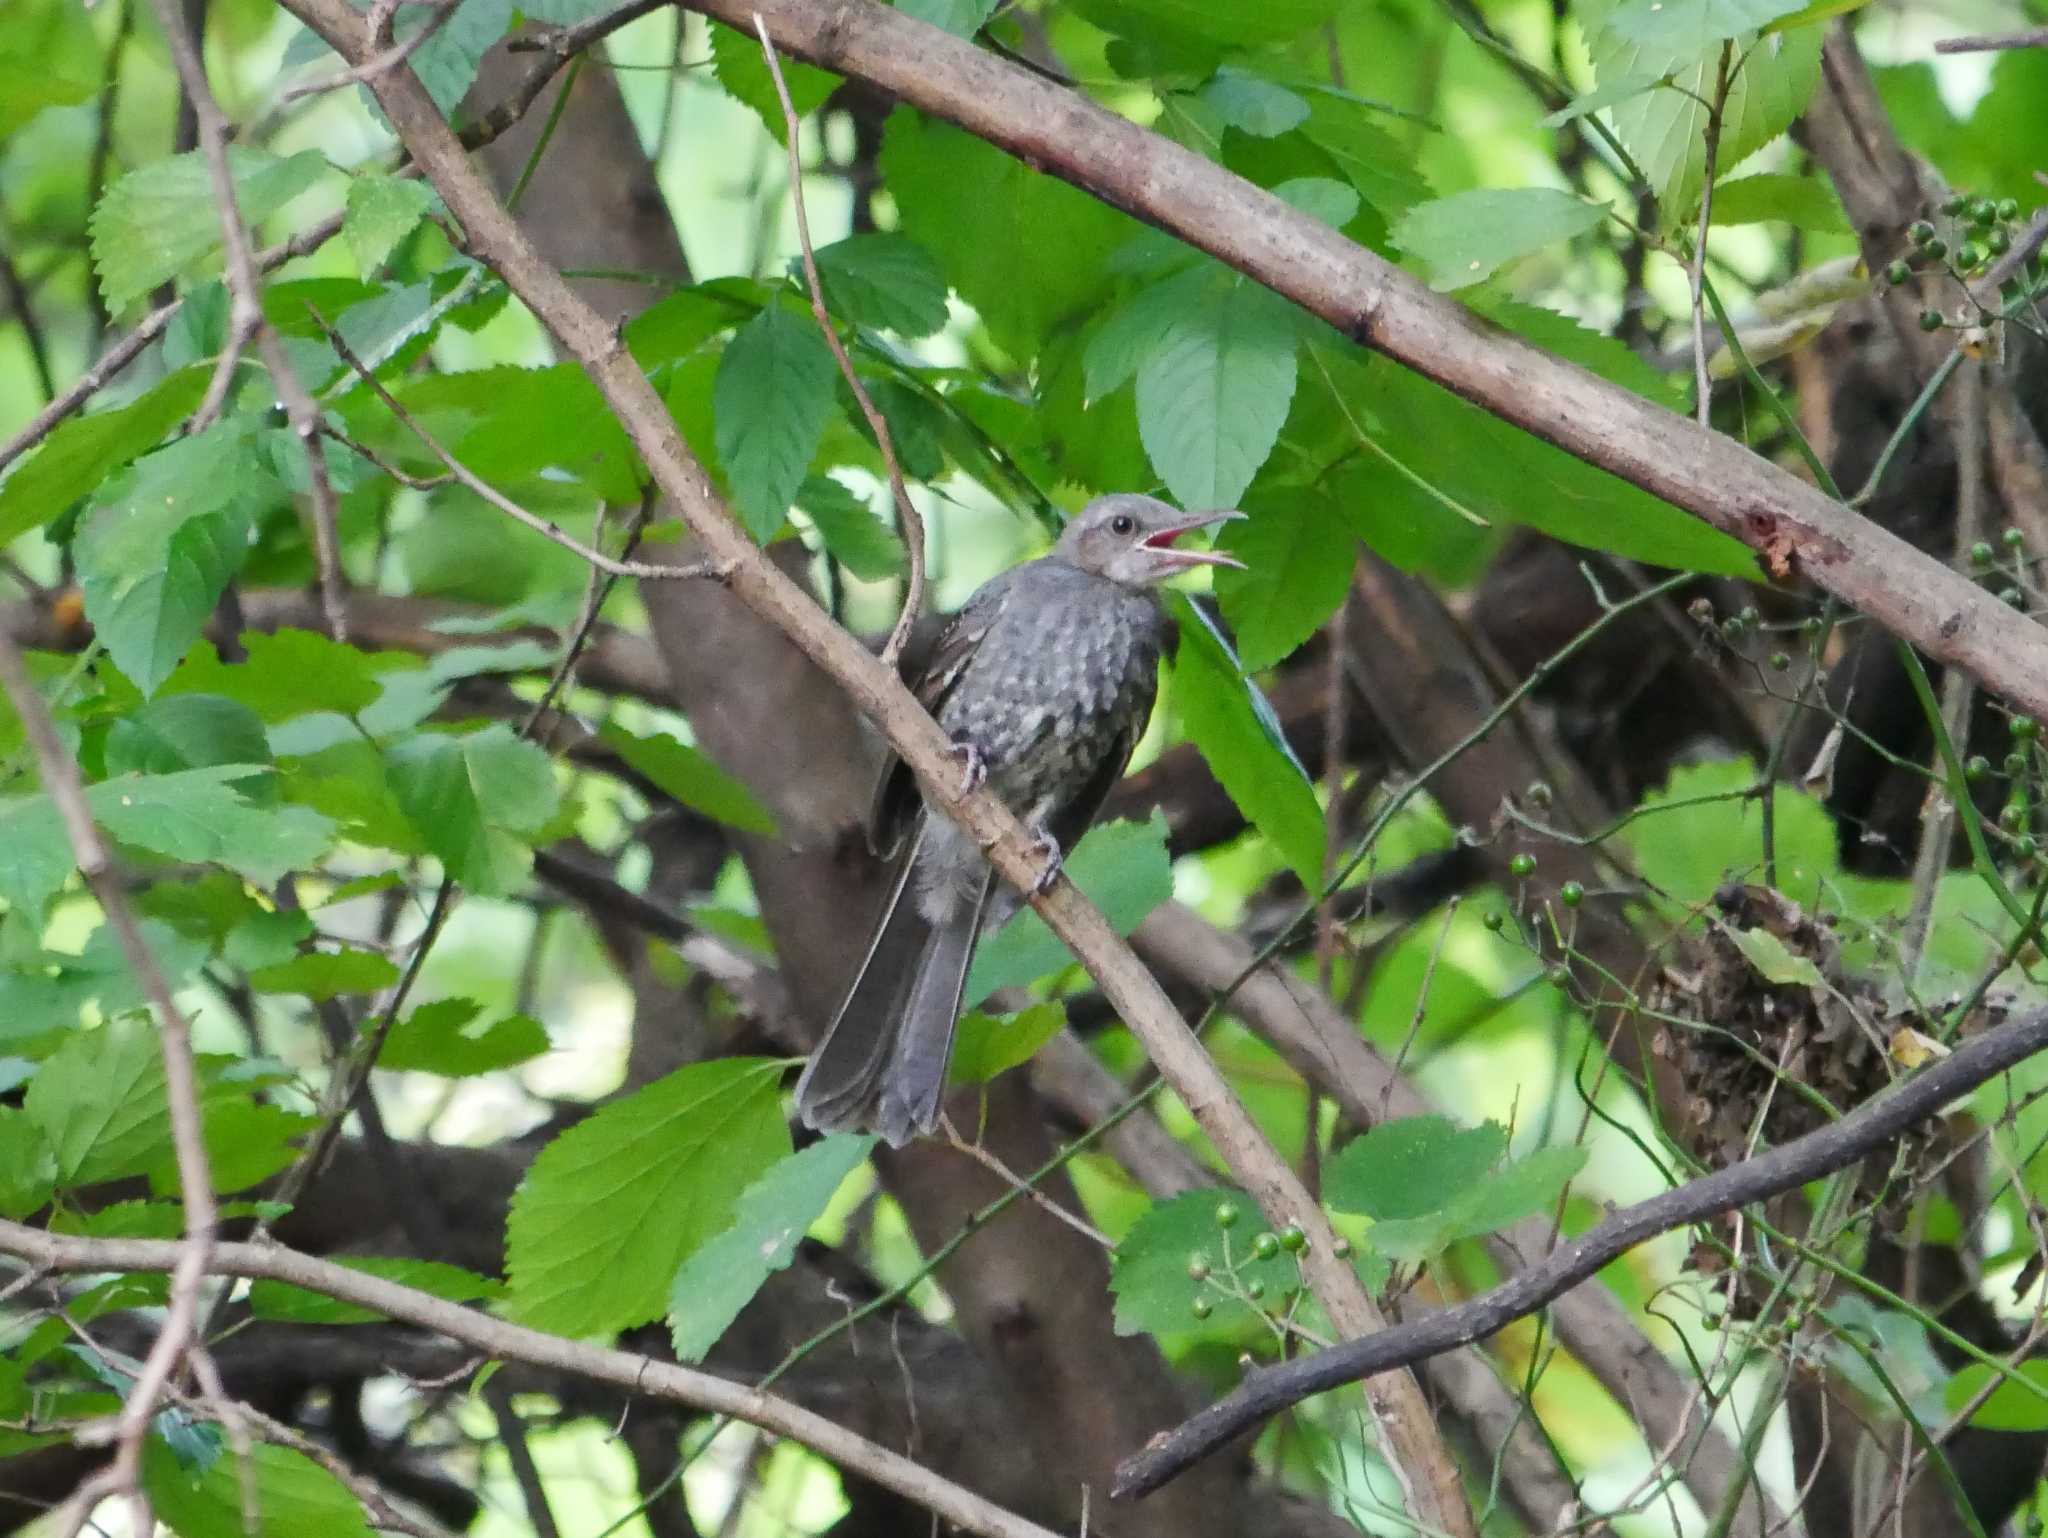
{"x": 1044, "y": 680}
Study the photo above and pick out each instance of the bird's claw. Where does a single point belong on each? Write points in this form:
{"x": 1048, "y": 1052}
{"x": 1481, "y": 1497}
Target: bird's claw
{"x": 973, "y": 767}
{"x": 1055, "y": 861}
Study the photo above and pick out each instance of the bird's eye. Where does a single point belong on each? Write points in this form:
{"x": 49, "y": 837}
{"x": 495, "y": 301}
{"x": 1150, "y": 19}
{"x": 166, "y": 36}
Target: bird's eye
{"x": 1122, "y": 523}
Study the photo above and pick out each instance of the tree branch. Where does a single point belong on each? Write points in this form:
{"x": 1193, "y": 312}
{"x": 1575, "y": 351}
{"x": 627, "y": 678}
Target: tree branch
{"x": 1870, "y": 1127}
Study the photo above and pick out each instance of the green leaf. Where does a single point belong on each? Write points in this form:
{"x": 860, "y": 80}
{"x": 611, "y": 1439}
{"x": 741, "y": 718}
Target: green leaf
{"x": 986, "y": 1045}
{"x": 1213, "y": 394}
{"x": 962, "y": 18}
{"x": 155, "y": 559}
{"x": 1666, "y": 130}
{"x": 715, "y": 1283}
{"x": 884, "y": 281}
{"x": 614, "y": 1205}
{"x": 1320, "y": 198}
{"x": 84, "y": 451}
{"x": 48, "y": 58}
{"x": 1149, "y": 1268}
{"x": 2012, "y": 1406}
{"x": 773, "y": 396}
{"x": 1690, "y": 24}
{"x": 40, "y": 1004}
{"x": 447, "y": 62}
{"x": 1243, "y": 25}
{"x": 1240, "y": 739}
{"x": 435, "y": 1038}
{"x": 1412, "y": 1167}
{"x": 690, "y": 777}
{"x": 1619, "y": 89}
{"x": 471, "y": 797}
{"x": 293, "y": 1496}
{"x": 381, "y": 211}
{"x": 1807, "y": 202}
{"x": 737, "y": 60}
{"x": 1027, "y": 251}
{"x": 1298, "y": 552}
{"x": 1467, "y": 238}
{"x": 1135, "y": 329}
{"x": 163, "y": 221}
{"x": 290, "y": 673}
{"x": 1252, "y": 105}
{"x": 1123, "y": 868}
{"x": 28, "y": 1165}
{"x": 1774, "y": 961}
{"x": 1525, "y": 1189}
{"x": 854, "y": 536}
{"x": 198, "y": 815}
{"x": 99, "y": 1102}
{"x": 185, "y": 731}
{"x": 323, "y": 975}
{"x": 297, "y": 1305}
{"x": 35, "y": 856}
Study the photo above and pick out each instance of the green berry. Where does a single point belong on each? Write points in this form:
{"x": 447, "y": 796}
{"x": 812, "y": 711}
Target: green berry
{"x": 1780, "y": 662}
{"x": 1198, "y": 1267}
{"x": 1266, "y": 1246}
{"x": 1982, "y": 212}
{"x": 1201, "y": 1308}
{"x": 2027, "y": 846}
{"x": 1226, "y": 1215}
{"x": 1571, "y": 894}
{"x": 1750, "y": 618}
{"x": 1969, "y": 255}
{"x": 1957, "y": 205}
{"x": 2013, "y": 538}
{"x": 1493, "y": 919}
{"x": 1293, "y": 1240}
{"x": 2025, "y": 728}
{"x": 1930, "y": 320}
{"x": 2013, "y": 596}
{"x": 1897, "y": 273}
{"x": 1977, "y": 768}
{"x": 2014, "y": 816}
{"x": 1936, "y": 248}
{"x": 1255, "y": 1289}
{"x": 1522, "y": 866}
{"x": 1341, "y": 1249}
{"x": 1997, "y": 242}
{"x": 1557, "y": 974}
{"x": 1731, "y": 627}
{"x": 2008, "y": 208}
{"x": 1920, "y": 232}
{"x": 2015, "y": 764}
{"x": 1981, "y": 553}
{"x": 1810, "y": 626}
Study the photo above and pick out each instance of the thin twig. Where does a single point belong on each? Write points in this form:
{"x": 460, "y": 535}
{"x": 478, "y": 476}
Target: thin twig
{"x": 715, "y": 570}
{"x": 907, "y": 514}
{"x": 1703, "y": 387}
{"x": 1038, "y": 1198}
{"x": 390, "y": 58}
{"x": 1991, "y": 42}
{"x": 66, "y": 790}
{"x": 16, "y": 293}
{"x": 525, "y": 1472}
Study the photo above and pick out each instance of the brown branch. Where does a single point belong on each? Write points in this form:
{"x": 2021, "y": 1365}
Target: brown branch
{"x": 1836, "y": 1146}
{"x": 906, "y": 513}
{"x": 2036, "y": 37}
{"x": 1705, "y": 473}
{"x": 636, "y": 1375}
{"x": 525, "y": 1472}
{"x": 1416, "y": 1449}
{"x": 189, "y": 1257}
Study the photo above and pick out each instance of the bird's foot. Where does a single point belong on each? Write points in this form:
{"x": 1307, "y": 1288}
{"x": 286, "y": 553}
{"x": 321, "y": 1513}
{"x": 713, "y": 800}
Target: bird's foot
{"x": 1055, "y": 861}
{"x": 973, "y": 767}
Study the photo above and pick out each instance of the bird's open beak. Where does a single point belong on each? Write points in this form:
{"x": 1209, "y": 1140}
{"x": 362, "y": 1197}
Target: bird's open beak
{"x": 1161, "y": 541}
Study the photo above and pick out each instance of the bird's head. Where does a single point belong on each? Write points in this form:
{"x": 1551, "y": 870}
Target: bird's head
{"x": 1130, "y": 539}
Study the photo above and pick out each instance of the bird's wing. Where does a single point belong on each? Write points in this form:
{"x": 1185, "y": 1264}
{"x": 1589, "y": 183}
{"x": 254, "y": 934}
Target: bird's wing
{"x": 1070, "y": 821}
{"x": 896, "y": 803}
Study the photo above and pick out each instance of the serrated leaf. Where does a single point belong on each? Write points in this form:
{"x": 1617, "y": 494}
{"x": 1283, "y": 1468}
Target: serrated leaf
{"x": 1239, "y": 737}
{"x": 1027, "y": 251}
{"x": 297, "y": 1305}
{"x": 380, "y": 212}
{"x": 1666, "y": 130}
{"x": 1123, "y": 868}
{"x": 1688, "y": 24}
{"x": 1466, "y": 238}
{"x": 28, "y": 1165}
{"x": 446, "y": 63}
{"x": 162, "y": 221}
{"x": 1320, "y": 198}
{"x": 41, "y": 1004}
{"x": 1135, "y": 329}
{"x": 772, "y": 398}
{"x": 199, "y": 815}
{"x": 690, "y": 777}
{"x": 1213, "y": 394}
{"x": 986, "y": 1045}
{"x": 323, "y": 975}
{"x": 884, "y": 281}
{"x": 1806, "y": 202}
{"x": 1253, "y": 105}
{"x": 155, "y": 559}
{"x": 715, "y": 1283}
{"x": 99, "y": 1102}
{"x": 435, "y": 1038}
{"x": 855, "y": 537}
{"x": 85, "y": 451}
{"x": 293, "y": 1496}
{"x": 1411, "y": 1167}
{"x": 1298, "y": 553}
{"x": 1607, "y": 94}
{"x": 962, "y": 18}
{"x": 288, "y": 673}
{"x": 737, "y": 61}
{"x": 1149, "y": 1278}
{"x": 185, "y": 731}
{"x": 1773, "y": 960}
{"x": 471, "y": 797}
{"x": 614, "y": 1205}
{"x": 1172, "y": 21}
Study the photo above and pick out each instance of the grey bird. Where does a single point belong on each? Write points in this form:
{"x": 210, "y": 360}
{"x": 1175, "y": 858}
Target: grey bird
{"x": 1044, "y": 680}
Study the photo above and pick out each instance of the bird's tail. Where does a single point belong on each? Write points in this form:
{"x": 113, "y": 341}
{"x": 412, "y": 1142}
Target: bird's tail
{"x": 883, "y": 1061}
